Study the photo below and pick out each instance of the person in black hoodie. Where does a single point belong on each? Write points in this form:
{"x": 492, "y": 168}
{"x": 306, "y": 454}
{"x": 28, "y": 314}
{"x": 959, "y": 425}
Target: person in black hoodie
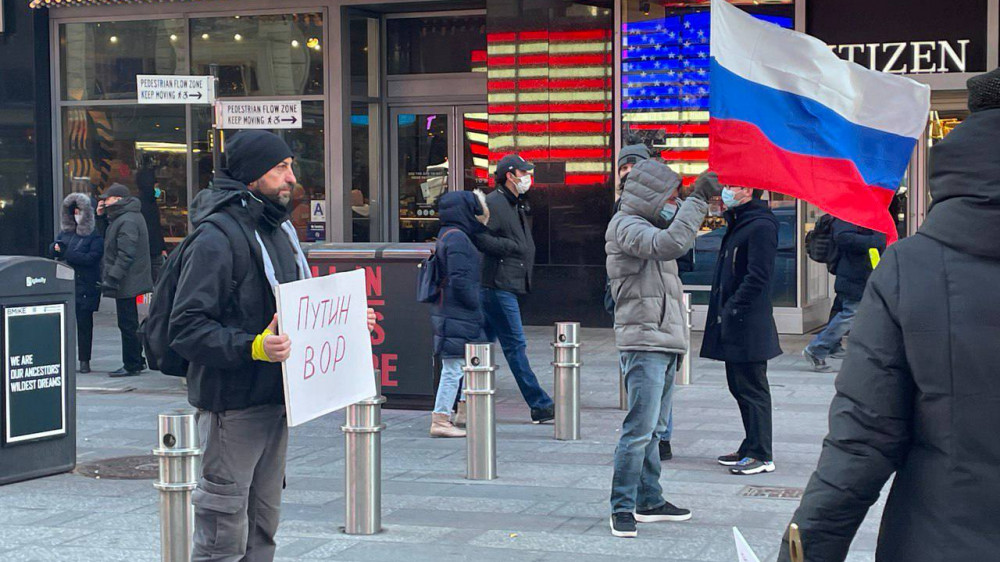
{"x": 740, "y": 328}
{"x": 854, "y": 266}
{"x": 224, "y": 323}
{"x": 917, "y": 395}
{"x": 457, "y": 317}
{"x": 508, "y": 258}
{"x": 145, "y": 180}
{"x": 80, "y": 246}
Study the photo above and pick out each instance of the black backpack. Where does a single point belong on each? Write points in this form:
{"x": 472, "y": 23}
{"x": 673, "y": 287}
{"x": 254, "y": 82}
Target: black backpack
{"x": 820, "y": 244}
{"x": 430, "y": 277}
{"x": 154, "y": 330}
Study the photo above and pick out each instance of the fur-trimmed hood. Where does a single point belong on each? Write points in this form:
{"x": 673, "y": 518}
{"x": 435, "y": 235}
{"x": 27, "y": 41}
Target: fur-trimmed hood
{"x": 78, "y": 201}
{"x": 462, "y": 209}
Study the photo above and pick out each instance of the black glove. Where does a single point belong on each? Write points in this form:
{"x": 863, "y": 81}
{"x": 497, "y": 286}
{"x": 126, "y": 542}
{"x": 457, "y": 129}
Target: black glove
{"x": 707, "y": 186}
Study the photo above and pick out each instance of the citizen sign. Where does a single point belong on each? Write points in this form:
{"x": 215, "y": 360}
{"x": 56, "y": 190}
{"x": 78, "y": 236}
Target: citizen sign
{"x": 913, "y": 57}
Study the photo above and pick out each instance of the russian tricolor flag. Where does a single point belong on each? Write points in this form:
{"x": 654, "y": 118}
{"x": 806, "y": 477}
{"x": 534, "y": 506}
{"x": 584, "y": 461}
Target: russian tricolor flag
{"x": 788, "y": 115}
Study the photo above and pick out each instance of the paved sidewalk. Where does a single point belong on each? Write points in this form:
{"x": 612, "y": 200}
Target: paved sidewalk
{"x": 549, "y": 503}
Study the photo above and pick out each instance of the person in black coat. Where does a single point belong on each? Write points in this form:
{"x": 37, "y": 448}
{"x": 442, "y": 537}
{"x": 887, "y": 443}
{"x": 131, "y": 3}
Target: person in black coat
{"x": 740, "y": 328}
{"x": 854, "y": 266}
{"x": 80, "y": 246}
{"x": 508, "y": 258}
{"x": 918, "y": 394}
{"x": 457, "y": 317}
{"x": 145, "y": 180}
{"x": 126, "y": 269}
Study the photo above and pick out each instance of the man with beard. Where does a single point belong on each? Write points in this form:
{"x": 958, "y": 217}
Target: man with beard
{"x": 224, "y": 323}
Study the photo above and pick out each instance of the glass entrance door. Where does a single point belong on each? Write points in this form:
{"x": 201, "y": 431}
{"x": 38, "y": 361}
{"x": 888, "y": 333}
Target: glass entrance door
{"x": 433, "y": 149}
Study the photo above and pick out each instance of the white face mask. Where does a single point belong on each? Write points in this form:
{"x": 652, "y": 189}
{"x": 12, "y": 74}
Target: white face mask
{"x": 78, "y": 218}
{"x": 523, "y": 184}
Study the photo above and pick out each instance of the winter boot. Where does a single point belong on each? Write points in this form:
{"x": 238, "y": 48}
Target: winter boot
{"x": 459, "y": 420}
{"x": 441, "y": 427}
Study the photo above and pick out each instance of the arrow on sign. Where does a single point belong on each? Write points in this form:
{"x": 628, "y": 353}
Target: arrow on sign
{"x": 196, "y": 95}
{"x": 292, "y": 120}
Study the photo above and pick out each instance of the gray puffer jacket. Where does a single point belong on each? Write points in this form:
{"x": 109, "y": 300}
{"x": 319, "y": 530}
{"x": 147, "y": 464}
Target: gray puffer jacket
{"x": 642, "y": 250}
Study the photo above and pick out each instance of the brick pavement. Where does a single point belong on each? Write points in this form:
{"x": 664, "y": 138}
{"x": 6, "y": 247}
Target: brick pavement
{"x": 549, "y": 503}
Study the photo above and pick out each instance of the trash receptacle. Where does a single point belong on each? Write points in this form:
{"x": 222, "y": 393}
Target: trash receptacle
{"x": 38, "y": 398}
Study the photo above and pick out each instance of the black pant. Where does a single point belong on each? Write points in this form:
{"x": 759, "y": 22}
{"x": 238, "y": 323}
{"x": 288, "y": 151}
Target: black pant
{"x": 128, "y": 323}
{"x": 748, "y": 385}
{"x": 156, "y": 265}
{"x": 84, "y": 334}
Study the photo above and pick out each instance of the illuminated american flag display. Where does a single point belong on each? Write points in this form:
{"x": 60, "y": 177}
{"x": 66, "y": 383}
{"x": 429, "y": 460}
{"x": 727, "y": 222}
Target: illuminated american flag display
{"x": 550, "y": 100}
{"x": 665, "y": 87}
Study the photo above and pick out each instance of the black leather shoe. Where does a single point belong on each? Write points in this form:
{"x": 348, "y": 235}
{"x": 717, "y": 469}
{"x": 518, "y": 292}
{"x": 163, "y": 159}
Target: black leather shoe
{"x": 665, "y": 452}
{"x": 123, "y": 372}
{"x": 84, "y": 367}
{"x": 543, "y": 415}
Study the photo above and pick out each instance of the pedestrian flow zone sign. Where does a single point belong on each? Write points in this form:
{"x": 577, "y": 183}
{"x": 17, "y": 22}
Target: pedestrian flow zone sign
{"x": 258, "y": 114}
{"x": 156, "y": 89}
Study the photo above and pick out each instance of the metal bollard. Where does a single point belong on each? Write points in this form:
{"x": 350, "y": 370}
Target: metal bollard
{"x": 566, "y": 369}
{"x": 683, "y": 375}
{"x": 179, "y": 454}
{"x": 363, "y": 464}
{"x": 480, "y": 387}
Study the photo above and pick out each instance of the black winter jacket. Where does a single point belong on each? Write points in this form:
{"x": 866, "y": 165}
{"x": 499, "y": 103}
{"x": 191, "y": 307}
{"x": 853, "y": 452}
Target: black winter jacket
{"x": 740, "y": 326}
{"x": 919, "y": 392}
{"x": 127, "y": 268}
{"x": 854, "y": 264}
{"x": 216, "y": 316}
{"x": 458, "y": 317}
{"x": 507, "y": 247}
{"x": 81, "y": 247}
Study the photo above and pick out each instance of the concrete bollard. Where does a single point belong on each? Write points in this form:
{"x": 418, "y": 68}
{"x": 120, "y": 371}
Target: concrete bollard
{"x": 179, "y": 455}
{"x": 363, "y": 464}
{"x": 683, "y": 375}
{"x": 566, "y": 370}
{"x": 481, "y": 426}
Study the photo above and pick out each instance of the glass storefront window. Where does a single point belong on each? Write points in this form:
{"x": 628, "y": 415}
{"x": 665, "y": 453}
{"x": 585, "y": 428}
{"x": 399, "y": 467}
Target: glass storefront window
{"x": 475, "y": 145}
{"x": 142, "y": 147}
{"x": 360, "y": 195}
{"x": 273, "y": 55}
{"x": 434, "y": 45}
{"x": 99, "y": 61}
{"x": 423, "y": 172}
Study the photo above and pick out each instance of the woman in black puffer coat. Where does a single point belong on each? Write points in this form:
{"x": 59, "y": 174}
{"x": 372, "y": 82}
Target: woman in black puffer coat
{"x": 80, "y": 245}
{"x": 458, "y": 316}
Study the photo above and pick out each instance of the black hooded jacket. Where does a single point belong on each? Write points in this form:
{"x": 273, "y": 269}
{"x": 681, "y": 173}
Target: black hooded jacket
{"x": 216, "y": 315}
{"x": 919, "y": 393}
{"x": 507, "y": 246}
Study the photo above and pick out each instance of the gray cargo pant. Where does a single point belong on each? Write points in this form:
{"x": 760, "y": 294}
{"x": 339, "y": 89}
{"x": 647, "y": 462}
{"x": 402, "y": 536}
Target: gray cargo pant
{"x": 238, "y": 498}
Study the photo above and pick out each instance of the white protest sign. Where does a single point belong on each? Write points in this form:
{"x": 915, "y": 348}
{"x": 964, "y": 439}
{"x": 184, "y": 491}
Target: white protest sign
{"x": 158, "y": 89}
{"x": 743, "y": 551}
{"x": 258, "y": 114}
{"x": 330, "y": 366}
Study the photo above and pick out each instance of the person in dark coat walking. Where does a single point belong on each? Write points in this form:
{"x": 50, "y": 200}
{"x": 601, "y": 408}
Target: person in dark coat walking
{"x": 80, "y": 246}
{"x": 917, "y": 395}
{"x": 740, "y": 328}
{"x": 854, "y": 266}
{"x": 127, "y": 270}
{"x": 508, "y": 258}
{"x": 145, "y": 180}
{"x": 457, "y": 317}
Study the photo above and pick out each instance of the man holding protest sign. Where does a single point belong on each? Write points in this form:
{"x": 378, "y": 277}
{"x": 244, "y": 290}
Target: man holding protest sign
{"x": 224, "y": 322}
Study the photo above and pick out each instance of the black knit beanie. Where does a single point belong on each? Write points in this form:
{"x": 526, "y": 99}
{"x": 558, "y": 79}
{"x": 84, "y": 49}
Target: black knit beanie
{"x": 251, "y": 154}
{"x": 984, "y": 91}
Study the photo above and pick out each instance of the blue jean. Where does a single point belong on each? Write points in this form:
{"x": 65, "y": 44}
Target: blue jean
{"x": 503, "y": 322}
{"x": 649, "y": 377}
{"x": 666, "y": 431}
{"x": 831, "y": 338}
{"x": 449, "y": 385}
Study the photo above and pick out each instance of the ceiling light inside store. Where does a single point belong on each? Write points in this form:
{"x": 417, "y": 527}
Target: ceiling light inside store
{"x": 173, "y": 38}
{"x": 238, "y": 37}
{"x": 204, "y": 36}
{"x": 113, "y": 39}
{"x": 295, "y": 43}
{"x": 313, "y": 43}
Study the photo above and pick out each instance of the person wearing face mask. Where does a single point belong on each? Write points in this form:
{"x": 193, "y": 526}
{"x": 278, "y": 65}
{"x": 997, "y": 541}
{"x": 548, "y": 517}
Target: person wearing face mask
{"x": 82, "y": 247}
{"x": 224, "y": 323}
{"x": 643, "y": 241}
{"x": 508, "y": 258}
{"x": 740, "y": 329}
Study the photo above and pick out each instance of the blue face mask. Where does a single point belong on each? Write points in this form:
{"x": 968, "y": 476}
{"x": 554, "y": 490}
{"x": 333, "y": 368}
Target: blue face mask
{"x": 668, "y": 212}
{"x": 157, "y": 192}
{"x": 729, "y": 198}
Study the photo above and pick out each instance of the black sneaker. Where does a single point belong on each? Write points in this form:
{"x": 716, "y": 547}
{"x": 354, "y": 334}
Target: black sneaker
{"x": 666, "y": 512}
{"x": 817, "y": 364}
{"x": 542, "y": 415}
{"x": 623, "y": 525}
{"x": 123, "y": 372}
{"x": 732, "y": 459}
{"x": 749, "y": 466}
{"x": 665, "y": 452}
